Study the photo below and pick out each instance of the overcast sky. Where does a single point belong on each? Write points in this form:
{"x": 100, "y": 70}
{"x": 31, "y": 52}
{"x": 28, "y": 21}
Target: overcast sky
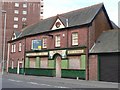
{"x": 54, "y": 7}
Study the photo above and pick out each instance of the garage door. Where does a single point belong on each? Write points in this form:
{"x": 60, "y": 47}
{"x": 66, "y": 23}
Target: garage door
{"x": 108, "y": 70}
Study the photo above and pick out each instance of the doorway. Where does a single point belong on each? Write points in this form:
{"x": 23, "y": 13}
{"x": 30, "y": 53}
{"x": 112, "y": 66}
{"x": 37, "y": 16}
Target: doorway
{"x": 58, "y": 66}
{"x": 19, "y": 67}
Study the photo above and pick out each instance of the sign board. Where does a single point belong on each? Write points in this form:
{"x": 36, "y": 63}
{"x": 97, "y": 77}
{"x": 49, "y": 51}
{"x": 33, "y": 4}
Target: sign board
{"x": 37, "y": 54}
{"x": 61, "y": 52}
{"x": 36, "y": 44}
{"x": 75, "y": 51}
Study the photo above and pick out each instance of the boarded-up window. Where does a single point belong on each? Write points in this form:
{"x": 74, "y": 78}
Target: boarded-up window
{"x": 37, "y": 62}
{"x": 32, "y": 62}
{"x": 83, "y": 61}
{"x": 44, "y": 62}
{"x": 64, "y": 64}
{"x": 74, "y": 62}
{"x": 51, "y": 63}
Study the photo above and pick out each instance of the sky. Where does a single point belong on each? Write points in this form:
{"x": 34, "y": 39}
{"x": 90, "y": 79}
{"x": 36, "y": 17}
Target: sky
{"x": 54, "y": 7}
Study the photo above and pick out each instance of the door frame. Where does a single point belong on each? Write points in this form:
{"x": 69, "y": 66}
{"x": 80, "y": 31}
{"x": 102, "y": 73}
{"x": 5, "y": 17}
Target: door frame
{"x": 18, "y": 67}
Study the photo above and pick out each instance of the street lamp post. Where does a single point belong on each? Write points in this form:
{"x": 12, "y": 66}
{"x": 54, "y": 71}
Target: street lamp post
{"x": 4, "y": 34}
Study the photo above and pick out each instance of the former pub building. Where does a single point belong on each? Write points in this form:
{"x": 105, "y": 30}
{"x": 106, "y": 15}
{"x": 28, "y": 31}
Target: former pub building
{"x": 59, "y": 46}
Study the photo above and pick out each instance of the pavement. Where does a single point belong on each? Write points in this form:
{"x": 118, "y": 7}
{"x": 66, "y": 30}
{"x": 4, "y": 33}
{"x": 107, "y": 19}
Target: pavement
{"x": 66, "y": 81}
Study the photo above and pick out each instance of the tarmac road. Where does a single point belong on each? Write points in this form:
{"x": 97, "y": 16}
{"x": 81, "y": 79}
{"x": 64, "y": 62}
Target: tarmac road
{"x": 24, "y": 81}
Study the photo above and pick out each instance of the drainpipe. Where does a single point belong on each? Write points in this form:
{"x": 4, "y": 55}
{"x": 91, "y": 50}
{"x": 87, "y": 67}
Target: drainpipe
{"x": 87, "y": 56}
{"x": 8, "y": 56}
{"x": 24, "y": 54}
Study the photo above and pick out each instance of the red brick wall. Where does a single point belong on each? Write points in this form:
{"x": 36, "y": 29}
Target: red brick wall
{"x": 18, "y": 55}
{"x": 64, "y": 42}
{"x": 82, "y": 36}
{"x": 99, "y": 25}
{"x": 93, "y": 67}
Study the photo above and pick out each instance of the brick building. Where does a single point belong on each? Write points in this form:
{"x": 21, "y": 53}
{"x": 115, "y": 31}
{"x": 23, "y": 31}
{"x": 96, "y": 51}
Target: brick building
{"x": 59, "y": 46}
{"x": 20, "y": 13}
{"x": 105, "y": 54}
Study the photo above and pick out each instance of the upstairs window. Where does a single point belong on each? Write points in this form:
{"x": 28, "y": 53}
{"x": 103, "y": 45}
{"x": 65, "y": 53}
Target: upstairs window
{"x": 24, "y": 19}
{"x": 36, "y": 45}
{"x": 74, "y": 38}
{"x": 12, "y": 48}
{"x": 57, "y": 41}
{"x": 15, "y": 26}
{"x": 44, "y": 44}
{"x": 24, "y": 12}
{"x": 16, "y": 11}
{"x": 15, "y": 18}
{"x": 16, "y": 4}
{"x": 20, "y": 47}
{"x": 24, "y": 5}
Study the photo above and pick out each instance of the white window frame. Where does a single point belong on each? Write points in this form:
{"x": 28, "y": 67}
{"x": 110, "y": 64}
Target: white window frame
{"x": 24, "y": 5}
{"x": 24, "y": 19}
{"x": 24, "y": 12}
{"x": 75, "y": 38}
{"x": 20, "y": 47}
{"x": 14, "y": 46}
{"x": 15, "y": 26}
{"x": 57, "y": 41}
{"x": 16, "y": 11}
{"x": 44, "y": 42}
{"x": 15, "y": 18}
{"x": 16, "y": 4}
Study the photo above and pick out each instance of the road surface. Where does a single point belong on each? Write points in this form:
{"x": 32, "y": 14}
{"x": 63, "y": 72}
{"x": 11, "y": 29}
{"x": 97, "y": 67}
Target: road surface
{"x": 23, "y": 81}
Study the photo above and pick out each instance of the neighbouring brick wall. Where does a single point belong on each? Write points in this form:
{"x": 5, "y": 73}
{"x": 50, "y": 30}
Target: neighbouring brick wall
{"x": 93, "y": 67}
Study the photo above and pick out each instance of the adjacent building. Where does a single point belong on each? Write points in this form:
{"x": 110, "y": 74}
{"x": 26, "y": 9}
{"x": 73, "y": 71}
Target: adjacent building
{"x": 105, "y": 53}
{"x": 20, "y": 14}
{"x": 59, "y": 46}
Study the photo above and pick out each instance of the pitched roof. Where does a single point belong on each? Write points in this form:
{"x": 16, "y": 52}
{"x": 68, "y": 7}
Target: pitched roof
{"x": 107, "y": 42}
{"x": 75, "y": 18}
{"x": 17, "y": 33}
{"x": 114, "y": 25}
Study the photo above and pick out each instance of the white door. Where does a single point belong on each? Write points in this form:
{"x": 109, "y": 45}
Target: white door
{"x": 19, "y": 66}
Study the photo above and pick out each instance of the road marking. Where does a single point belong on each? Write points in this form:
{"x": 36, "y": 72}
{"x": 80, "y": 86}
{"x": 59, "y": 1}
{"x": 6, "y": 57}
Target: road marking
{"x": 33, "y": 83}
{"x": 60, "y": 87}
{"x": 14, "y": 80}
{"x": 46, "y": 85}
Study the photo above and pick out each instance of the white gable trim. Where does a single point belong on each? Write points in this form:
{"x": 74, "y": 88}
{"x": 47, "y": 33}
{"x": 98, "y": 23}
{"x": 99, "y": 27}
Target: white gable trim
{"x": 59, "y": 26}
